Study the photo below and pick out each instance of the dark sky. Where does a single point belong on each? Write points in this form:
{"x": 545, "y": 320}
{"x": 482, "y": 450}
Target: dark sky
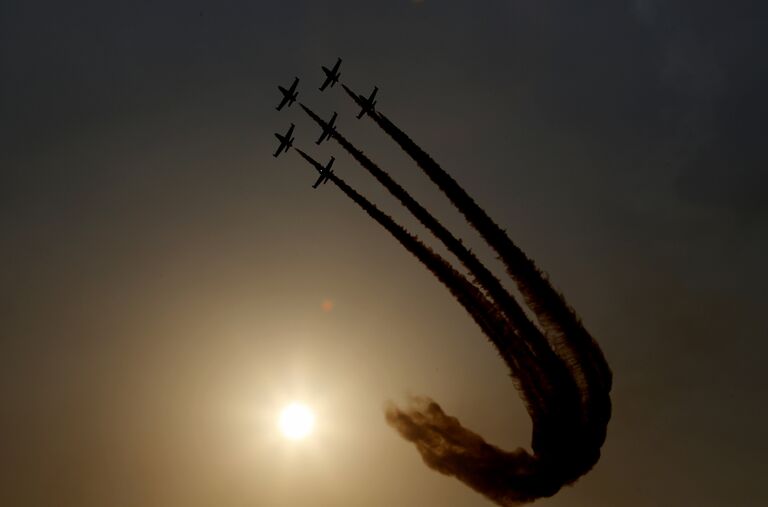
{"x": 163, "y": 275}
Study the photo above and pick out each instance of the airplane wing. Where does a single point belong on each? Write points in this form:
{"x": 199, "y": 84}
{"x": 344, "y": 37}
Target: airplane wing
{"x": 293, "y": 86}
{"x": 290, "y": 131}
{"x": 323, "y": 137}
{"x": 284, "y": 101}
{"x": 336, "y": 67}
{"x": 282, "y": 144}
{"x": 319, "y": 180}
{"x": 327, "y": 79}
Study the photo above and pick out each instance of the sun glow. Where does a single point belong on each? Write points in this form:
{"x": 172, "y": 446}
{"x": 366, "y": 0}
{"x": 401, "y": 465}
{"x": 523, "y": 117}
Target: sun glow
{"x": 296, "y": 421}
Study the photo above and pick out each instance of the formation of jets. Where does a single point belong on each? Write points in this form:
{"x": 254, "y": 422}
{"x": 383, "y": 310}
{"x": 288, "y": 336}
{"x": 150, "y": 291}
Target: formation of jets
{"x": 331, "y": 75}
{"x": 289, "y": 97}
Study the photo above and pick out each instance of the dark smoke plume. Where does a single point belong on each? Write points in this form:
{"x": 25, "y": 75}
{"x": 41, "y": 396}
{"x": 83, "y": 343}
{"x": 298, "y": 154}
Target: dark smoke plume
{"x": 569, "y": 338}
{"x": 483, "y": 276}
{"x": 558, "y": 369}
{"x": 533, "y": 338}
{"x": 547, "y": 378}
{"x": 549, "y": 306}
{"x": 485, "y": 314}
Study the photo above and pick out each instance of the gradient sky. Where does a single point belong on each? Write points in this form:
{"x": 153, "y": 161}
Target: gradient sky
{"x": 164, "y": 276}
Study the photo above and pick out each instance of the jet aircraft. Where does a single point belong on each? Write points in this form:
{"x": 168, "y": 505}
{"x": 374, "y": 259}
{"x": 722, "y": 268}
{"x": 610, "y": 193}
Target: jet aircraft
{"x": 325, "y": 173}
{"x": 367, "y": 104}
{"x": 328, "y": 129}
{"x": 286, "y": 141}
{"x": 331, "y": 75}
{"x": 289, "y": 95}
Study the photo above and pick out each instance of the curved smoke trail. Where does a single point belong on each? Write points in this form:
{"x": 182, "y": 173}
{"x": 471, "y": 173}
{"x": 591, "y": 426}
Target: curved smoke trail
{"x": 569, "y": 339}
{"x": 559, "y": 370}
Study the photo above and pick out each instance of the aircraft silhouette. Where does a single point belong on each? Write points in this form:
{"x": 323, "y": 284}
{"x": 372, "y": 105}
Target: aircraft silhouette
{"x": 286, "y": 141}
{"x": 328, "y": 129}
{"x": 325, "y": 173}
{"x": 331, "y": 75}
{"x": 367, "y": 104}
{"x": 289, "y": 95}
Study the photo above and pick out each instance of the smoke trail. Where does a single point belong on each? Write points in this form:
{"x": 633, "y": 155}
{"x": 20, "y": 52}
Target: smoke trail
{"x": 528, "y": 332}
{"x": 508, "y": 478}
{"x": 550, "y": 377}
{"x": 483, "y": 276}
{"x": 528, "y": 375}
{"x": 573, "y": 344}
{"x": 485, "y": 314}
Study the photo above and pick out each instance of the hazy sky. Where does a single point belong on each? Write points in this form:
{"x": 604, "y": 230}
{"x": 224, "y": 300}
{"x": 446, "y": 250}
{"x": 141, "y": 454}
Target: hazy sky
{"x": 163, "y": 276}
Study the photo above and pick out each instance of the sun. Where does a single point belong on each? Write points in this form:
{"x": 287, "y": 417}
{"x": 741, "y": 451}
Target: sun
{"x": 296, "y": 421}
